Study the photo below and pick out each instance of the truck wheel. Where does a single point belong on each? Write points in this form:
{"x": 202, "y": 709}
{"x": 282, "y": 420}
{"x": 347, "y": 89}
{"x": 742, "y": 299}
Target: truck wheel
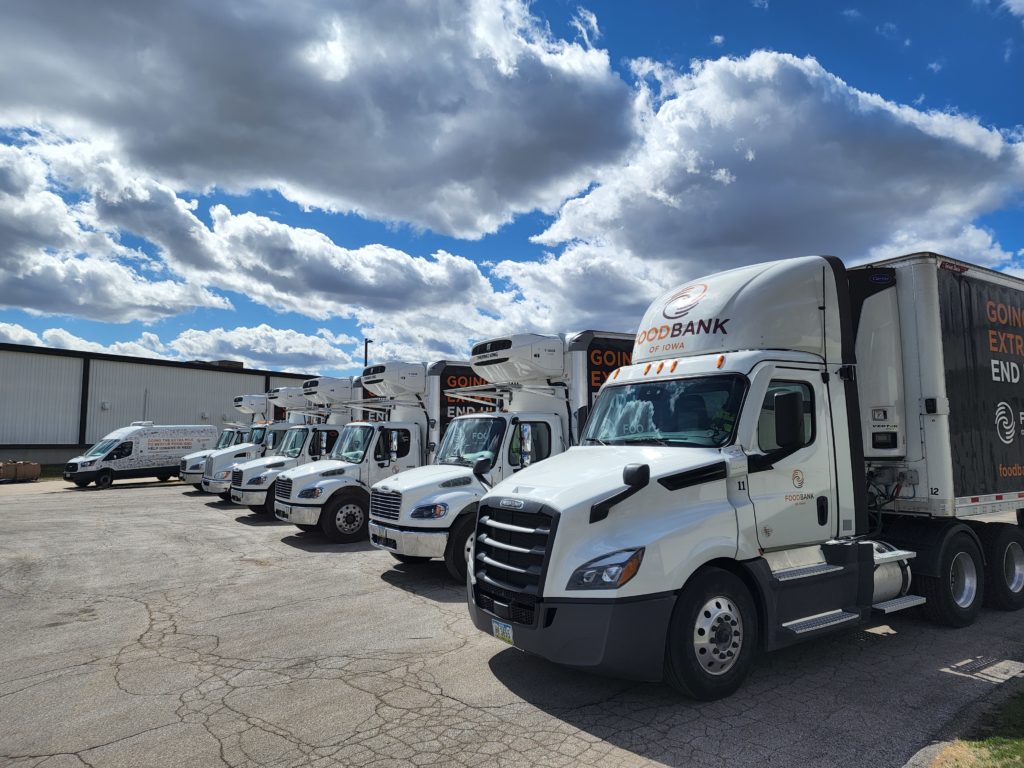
{"x": 712, "y": 636}
{"x": 197, "y": 486}
{"x": 410, "y": 559}
{"x": 459, "y": 541}
{"x": 226, "y": 496}
{"x": 163, "y": 478}
{"x": 954, "y": 598}
{"x": 267, "y": 508}
{"x": 82, "y": 483}
{"x": 344, "y": 518}
{"x": 104, "y": 479}
{"x": 1004, "y": 569}
{"x": 1020, "y": 517}
{"x": 306, "y": 528}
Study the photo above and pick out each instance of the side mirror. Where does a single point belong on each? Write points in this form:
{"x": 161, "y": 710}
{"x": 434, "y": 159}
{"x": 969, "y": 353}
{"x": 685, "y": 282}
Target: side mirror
{"x": 393, "y": 445}
{"x": 789, "y": 420}
{"x": 481, "y": 466}
{"x": 314, "y": 445}
{"x": 525, "y": 445}
{"x": 636, "y": 476}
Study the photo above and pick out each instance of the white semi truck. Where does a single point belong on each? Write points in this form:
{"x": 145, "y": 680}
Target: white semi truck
{"x": 545, "y": 386}
{"x": 191, "y": 468}
{"x": 795, "y": 448}
{"x": 333, "y": 496}
{"x": 142, "y": 449}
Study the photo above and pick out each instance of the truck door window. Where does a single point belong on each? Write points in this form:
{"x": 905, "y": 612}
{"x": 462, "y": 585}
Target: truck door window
{"x": 381, "y": 450}
{"x": 766, "y": 418}
{"x": 540, "y": 433}
{"x": 328, "y": 440}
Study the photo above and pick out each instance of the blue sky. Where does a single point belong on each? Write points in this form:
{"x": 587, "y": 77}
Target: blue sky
{"x": 271, "y": 185}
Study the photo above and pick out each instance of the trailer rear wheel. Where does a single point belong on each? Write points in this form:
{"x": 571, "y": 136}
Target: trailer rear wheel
{"x": 344, "y": 518}
{"x": 104, "y": 479}
{"x": 460, "y": 540}
{"x": 954, "y": 597}
{"x": 1004, "y": 571}
{"x": 712, "y": 636}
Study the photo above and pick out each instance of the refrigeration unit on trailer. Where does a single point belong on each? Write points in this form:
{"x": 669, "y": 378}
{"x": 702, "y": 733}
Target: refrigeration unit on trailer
{"x": 333, "y": 496}
{"x": 292, "y": 400}
{"x": 795, "y": 448}
{"x": 543, "y": 387}
{"x": 142, "y": 449}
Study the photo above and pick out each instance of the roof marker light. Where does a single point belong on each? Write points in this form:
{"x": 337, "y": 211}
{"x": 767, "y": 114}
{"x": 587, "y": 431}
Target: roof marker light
{"x": 660, "y": 366}
{"x": 616, "y": 374}
{"x": 721, "y": 361}
{"x": 647, "y": 369}
{"x": 672, "y": 367}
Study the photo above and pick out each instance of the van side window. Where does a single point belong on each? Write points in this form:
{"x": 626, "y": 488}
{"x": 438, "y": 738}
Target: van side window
{"x": 123, "y": 451}
{"x": 766, "y": 419}
{"x": 540, "y": 436}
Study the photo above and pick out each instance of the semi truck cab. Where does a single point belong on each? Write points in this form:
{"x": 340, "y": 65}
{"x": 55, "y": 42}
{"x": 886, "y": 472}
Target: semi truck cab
{"x": 264, "y": 440}
{"x": 732, "y": 493}
{"x": 191, "y": 469}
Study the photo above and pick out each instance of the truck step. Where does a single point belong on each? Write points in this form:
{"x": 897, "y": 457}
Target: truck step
{"x": 899, "y": 603}
{"x": 896, "y": 554}
{"x": 821, "y": 621}
{"x": 805, "y": 571}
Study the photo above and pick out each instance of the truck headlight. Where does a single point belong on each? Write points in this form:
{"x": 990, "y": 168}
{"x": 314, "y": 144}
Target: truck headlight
{"x": 194, "y": 467}
{"x": 223, "y": 475}
{"x": 86, "y": 463}
{"x": 311, "y": 493}
{"x": 430, "y": 512}
{"x": 258, "y": 480}
{"x": 609, "y": 571}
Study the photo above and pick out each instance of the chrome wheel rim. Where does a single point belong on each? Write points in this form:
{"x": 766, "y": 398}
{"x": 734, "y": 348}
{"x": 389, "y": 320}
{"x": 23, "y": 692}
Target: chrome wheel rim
{"x": 470, "y": 541}
{"x": 1013, "y": 567}
{"x": 963, "y": 580}
{"x": 349, "y": 518}
{"x": 718, "y": 636}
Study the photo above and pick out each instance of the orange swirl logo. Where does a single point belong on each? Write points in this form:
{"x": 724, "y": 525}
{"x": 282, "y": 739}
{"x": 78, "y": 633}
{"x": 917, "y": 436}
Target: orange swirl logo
{"x": 684, "y": 300}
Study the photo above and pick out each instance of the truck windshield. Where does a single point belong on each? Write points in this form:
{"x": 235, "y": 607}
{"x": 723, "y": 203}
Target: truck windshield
{"x": 697, "y": 412}
{"x": 352, "y": 444}
{"x": 470, "y": 439}
{"x": 293, "y": 442}
{"x": 256, "y": 436}
{"x": 101, "y": 447}
{"x": 227, "y": 437}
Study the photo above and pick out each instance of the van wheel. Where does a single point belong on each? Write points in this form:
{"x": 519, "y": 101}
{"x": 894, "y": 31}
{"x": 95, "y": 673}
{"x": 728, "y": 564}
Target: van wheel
{"x": 954, "y": 597}
{"x": 410, "y": 559}
{"x": 1004, "y": 569}
{"x": 163, "y": 478}
{"x": 82, "y": 483}
{"x": 344, "y": 518}
{"x": 712, "y": 636}
{"x": 104, "y": 479}
{"x": 459, "y": 542}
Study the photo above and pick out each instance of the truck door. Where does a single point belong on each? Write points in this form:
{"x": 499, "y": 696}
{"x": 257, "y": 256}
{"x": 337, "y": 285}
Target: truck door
{"x": 792, "y": 489}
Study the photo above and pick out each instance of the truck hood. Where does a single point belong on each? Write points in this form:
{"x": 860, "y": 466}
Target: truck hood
{"x": 266, "y": 462}
{"x": 315, "y": 469}
{"x": 586, "y": 473}
{"x": 190, "y": 457}
{"x": 422, "y": 477}
{"x": 231, "y": 450}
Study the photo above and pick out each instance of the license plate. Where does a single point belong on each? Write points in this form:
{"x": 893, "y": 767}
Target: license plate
{"x": 502, "y": 631}
{"x": 67, "y": 477}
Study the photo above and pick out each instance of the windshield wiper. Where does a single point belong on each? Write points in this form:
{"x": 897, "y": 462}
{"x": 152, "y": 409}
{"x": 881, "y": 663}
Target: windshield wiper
{"x": 597, "y": 440}
{"x": 641, "y": 441}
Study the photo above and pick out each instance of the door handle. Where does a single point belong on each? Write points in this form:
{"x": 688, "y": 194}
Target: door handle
{"x": 822, "y": 510}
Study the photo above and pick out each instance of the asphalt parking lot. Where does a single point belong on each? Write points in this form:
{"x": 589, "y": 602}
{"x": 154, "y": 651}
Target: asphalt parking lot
{"x": 149, "y": 625}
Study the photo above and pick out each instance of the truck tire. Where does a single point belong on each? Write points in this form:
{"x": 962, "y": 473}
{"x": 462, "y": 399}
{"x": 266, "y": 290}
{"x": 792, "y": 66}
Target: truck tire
{"x": 306, "y": 528}
{"x": 712, "y": 636}
{"x": 345, "y": 518}
{"x": 82, "y": 483}
{"x": 104, "y": 479}
{"x": 197, "y": 486}
{"x": 410, "y": 559}
{"x": 1004, "y": 567}
{"x": 163, "y": 478}
{"x": 459, "y": 541}
{"x": 1020, "y": 517}
{"x": 226, "y": 496}
{"x": 954, "y": 598}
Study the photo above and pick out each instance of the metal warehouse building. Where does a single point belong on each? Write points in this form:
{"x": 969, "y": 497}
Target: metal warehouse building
{"x": 55, "y": 402}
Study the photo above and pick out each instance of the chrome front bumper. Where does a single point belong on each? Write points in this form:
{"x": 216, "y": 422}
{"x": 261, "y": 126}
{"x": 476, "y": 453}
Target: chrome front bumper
{"x": 297, "y": 515}
{"x": 192, "y": 478}
{"x": 216, "y": 486}
{"x": 421, "y": 543}
{"x": 248, "y": 498}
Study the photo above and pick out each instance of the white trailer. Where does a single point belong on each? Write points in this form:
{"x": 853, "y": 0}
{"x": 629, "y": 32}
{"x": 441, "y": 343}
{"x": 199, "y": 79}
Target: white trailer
{"x": 544, "y": 387}
{"x": 142, "y": 449}
{"x": 794, "y": 448}
{"x": 333, "y": 496}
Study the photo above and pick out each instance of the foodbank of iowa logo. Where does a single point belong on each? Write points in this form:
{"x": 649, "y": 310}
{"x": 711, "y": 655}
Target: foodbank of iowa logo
{"x": 1006, "y": 426}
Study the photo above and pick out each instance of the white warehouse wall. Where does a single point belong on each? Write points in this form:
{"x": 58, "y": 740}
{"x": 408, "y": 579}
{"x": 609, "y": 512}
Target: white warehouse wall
{"x": 40, "y": 398}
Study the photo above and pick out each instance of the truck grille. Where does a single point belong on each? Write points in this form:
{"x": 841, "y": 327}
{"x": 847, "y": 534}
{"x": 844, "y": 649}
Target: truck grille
{"x": 385, "y": 504}
{"x": 511, "y": 552}
{"x": 208, "y": 469}
{"x": 72, "y": 467}
{"x": 284, "y": 488}
{"x": 236, "y": 478}
{"x": 183, "y": 467}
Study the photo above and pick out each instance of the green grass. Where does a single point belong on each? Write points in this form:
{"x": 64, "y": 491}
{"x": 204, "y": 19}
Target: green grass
{"x": 998, "y": 743}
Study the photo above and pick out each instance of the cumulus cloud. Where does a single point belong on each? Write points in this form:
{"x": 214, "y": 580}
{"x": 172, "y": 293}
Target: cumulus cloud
{"x": 770, "y": 156}
{"x": 717, "y": 39}
{"x": 12, "y": 333}
{"x": 452, "y": 115}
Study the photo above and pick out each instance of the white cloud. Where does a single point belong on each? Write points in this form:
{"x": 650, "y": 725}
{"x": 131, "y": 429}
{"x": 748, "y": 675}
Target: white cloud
{"x": 851, "y": 13}
{"x": 718, "y": 39}
{"x": 1016, "y": 7}
{"x": 12, "y": 333}
{"x": 585, "y": 24}
{"x": 453, "y": 115}
{"x": 262, "y": 347}
{"x": 887, "y": 30}
{"x": 936, "y": 66}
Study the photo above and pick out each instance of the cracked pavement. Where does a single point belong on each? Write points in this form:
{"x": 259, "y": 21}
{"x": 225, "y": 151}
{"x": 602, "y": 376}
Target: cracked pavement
{"x": 149, "y": 625}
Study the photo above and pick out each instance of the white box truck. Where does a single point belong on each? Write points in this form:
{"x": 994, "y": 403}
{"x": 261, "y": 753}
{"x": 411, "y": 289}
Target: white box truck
{"x": 333, "y": 496}
{"x": 142, "y": 449}
{"x": 795, "y": 448}
{"x": 191, "y": 467}
{"x": 544, "y": 385}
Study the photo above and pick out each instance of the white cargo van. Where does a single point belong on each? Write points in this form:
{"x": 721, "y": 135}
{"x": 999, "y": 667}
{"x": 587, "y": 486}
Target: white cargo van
{"x": 139, "y": 450}
{"x": 795, "y": 448}
{"x": 191, "y": 469}
{"x": 545, "y": 385}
